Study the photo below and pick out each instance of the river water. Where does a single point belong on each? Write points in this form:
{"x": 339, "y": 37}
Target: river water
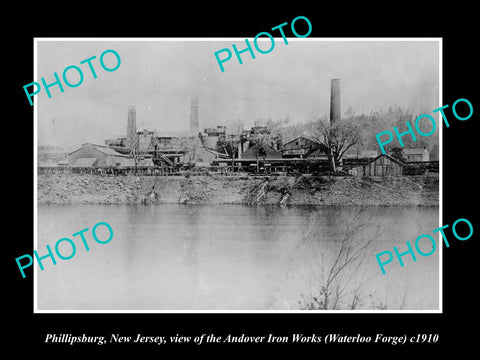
{"x": 234, "y": 257}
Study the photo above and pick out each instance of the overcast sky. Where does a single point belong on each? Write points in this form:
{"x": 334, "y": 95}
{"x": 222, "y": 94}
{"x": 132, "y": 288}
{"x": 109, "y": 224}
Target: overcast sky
{"x": 160, "y": 77}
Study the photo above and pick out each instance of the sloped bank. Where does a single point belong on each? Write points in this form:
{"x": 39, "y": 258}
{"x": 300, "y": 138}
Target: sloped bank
{"x": 300, "y": 190}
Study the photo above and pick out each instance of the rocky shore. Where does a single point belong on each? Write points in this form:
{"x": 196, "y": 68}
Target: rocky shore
{"x": 216, "y": 189}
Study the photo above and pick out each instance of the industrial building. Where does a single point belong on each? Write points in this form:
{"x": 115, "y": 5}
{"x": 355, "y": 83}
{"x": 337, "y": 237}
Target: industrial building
{"x": 172, "y": 150}
{"x": 96, "y": 155}
{"x": 382, "y": 165}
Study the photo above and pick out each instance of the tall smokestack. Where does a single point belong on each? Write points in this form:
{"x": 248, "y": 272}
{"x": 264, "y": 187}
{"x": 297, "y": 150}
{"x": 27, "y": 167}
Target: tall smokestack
{"x": 335, "y": 113}
{"x": 131, "y": 127}
{"x": 194, "y": 122}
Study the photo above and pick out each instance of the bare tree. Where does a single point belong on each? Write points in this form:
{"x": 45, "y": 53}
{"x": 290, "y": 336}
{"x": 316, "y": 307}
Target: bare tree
{"x": 134, "y": 152}
{"x": 232, "y": 140}
{"x": 265, "y": 137}
{"x": 335, "y": 138}
{"x": 339, "y": 277}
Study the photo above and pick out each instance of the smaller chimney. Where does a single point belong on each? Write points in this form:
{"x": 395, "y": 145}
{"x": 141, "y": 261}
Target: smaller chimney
{"x": 194, "y": 115}
{"x": 131, "y": 126}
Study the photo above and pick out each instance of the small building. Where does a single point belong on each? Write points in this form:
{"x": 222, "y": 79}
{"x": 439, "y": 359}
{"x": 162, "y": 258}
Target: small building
{"x": 300, "y": 147}
{"x": 103, "y": 155}
{"x": 264, "y": 152}
{"x": 353, "y": 162}
{"x": 382, "y": 165}
{"x": 412, "y": 155}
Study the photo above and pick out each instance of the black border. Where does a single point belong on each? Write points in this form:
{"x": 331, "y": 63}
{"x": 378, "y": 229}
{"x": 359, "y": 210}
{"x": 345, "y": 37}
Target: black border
{"x": 455, "y": 25}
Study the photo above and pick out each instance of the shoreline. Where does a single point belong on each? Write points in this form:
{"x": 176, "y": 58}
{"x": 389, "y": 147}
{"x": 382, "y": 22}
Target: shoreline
{"x": 422, "y": 190}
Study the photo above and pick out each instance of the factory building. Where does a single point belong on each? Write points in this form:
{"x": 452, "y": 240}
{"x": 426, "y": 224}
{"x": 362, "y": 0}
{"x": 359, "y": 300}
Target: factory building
{"x": 95, "y": 155}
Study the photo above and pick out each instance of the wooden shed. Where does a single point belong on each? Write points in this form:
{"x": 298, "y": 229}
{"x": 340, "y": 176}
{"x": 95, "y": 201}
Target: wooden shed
{"x": 383, "y": 165}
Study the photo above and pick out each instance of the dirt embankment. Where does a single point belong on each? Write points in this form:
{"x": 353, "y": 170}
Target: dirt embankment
{"x": 300, "y": 190}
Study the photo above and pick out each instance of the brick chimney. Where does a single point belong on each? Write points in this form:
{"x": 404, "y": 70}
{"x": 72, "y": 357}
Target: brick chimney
{"x": 335, "y": 113}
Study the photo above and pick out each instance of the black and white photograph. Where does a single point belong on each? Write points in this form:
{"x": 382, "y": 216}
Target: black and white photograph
{"x": 258, "y": 188}
{"x": 225, "y": 180}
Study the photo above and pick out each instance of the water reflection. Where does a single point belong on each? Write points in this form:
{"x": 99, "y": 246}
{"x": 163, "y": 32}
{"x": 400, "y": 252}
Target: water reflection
{"x": 232, "y": 257}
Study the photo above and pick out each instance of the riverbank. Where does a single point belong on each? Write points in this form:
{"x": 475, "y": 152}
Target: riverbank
{"x": 300, "y": 190}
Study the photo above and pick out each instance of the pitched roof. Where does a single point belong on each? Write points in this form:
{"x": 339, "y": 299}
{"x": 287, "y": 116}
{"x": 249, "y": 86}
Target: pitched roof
{"x": 107, "y": 150}
{"x": 387, "y": 156}
{"x": 216, "y": 153}
{"x": 146, "y": 162}
{"x": 102, "y": 148}
{"x": 299, "y": 137}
